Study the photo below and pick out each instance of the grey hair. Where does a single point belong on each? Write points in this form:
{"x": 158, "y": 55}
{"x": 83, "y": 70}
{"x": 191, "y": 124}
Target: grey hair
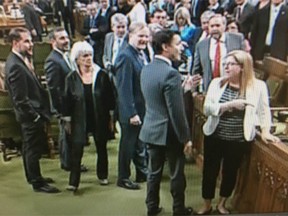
{"x": 224, "y": 21}
{"x": 80, "y": 48}
{"x": 118, "y": 18}
{"x": 207, "y": 14}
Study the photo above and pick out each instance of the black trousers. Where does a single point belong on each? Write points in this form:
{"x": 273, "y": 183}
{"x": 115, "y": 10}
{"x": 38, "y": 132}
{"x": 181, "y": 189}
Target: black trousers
{"x": 230, "y": 154}
{"x": 173, "y": 151}
{"x": 64, "y": 146}
{"x": 102, "y": 157}
{"x": 131, "y": 148}
{"x": 76, "y": 157}
{"x": 34, "y": 142}
{"x": 68, "y": 18}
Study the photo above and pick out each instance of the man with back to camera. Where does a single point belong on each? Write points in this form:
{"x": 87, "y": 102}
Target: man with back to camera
{"x": 165, "y": 128}
{"x": 31, "y": 105}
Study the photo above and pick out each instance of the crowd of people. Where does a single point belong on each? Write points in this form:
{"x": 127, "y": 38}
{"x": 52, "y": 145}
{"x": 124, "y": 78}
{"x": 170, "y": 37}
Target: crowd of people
{"x": 127, "y": 69}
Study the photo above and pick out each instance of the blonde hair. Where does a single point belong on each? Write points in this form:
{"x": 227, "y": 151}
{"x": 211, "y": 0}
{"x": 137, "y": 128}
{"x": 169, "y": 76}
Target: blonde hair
{"x": 137, "y": 26}
{"x": 247, "y": 75}
{"x": 183, "y": 12}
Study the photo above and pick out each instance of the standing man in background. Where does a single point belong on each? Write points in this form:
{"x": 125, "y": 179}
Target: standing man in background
{"x": 57, "y": 66}
{"x": 31, "y": 105}
{"x": 129, "y": 64}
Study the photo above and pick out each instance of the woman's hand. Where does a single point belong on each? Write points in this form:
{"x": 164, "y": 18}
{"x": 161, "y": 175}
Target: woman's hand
{"x": 188, "y": 148}
{"x": 269, "y": 138}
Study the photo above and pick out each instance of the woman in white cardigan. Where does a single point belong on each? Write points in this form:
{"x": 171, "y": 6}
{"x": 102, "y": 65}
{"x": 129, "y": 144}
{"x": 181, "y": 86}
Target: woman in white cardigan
{"x": 234, "y": 105}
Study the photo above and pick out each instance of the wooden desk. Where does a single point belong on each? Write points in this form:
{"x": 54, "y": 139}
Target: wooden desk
{"x": 8, "y": 24}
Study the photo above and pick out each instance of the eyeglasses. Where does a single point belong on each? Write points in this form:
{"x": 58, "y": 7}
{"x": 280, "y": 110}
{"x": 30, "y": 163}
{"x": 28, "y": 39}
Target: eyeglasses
{"x": 225, "y": 64}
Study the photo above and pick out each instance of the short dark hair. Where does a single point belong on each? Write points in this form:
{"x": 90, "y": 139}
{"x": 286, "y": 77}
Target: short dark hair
{"x": 15, "y": 33}
{"x": 157, "y": 10}
{"x": 56, "y": 30}
{"x": 160, "y": 38}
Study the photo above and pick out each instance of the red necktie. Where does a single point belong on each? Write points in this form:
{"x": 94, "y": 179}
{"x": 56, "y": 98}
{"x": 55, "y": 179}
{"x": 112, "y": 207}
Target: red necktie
{"x": 217, "y": 60}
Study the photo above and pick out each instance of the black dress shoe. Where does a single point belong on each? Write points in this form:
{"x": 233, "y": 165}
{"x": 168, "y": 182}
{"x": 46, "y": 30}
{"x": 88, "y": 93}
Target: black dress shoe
{"x": 83, "y": 168}
{"x": 46, "y": 188}
{"x": 48, "y": 180}
{"x": 154, "y": 211}
{"x": 128, "y": 184}
{"x": 183, "y": 212}
{"x": 65, "y": 168}
{"x": 140, "y": 180}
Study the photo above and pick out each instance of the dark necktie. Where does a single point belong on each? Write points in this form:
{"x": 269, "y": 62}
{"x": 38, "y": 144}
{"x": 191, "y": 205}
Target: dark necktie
{"x": 143, "y": 57}
{"x": 91, "y": 22}
{"x": 238, "y": 13}
{"x": 217, "y": 60}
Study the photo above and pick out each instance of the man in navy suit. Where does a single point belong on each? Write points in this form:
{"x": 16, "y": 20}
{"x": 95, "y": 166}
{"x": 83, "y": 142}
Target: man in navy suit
{"x": 129, "y": 64}
{"x": 31, "y": 105}
{"x": 66, "y": 8}
{"x": 165, "y": 129}
{"x": 270, "y": 31}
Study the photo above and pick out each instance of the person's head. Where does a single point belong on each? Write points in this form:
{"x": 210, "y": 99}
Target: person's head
{"x": 213, "y": 2}
{"x": 139, "y": 35}
{"x": 186, "y": 4}
{"x": 168, "y": 43}
{"x": 121, "y": 3}
{"x": 159, "y": 16}
{"x": 104, "y": 4}
{"x": 238, "y": 66}
{"x": 60, "y": 39}
{"x": 205, "y": 16}
{"x": 21, "y": 41}
{"x": 92, "y": 9}
{"x": 240, "y": 2}
{"x": 182, "y": 17}
{"x": 133, "y": 2}
{"x": 217, "y": 24}
{"x": 119, "y": 24}
{"x": 82, "y": 54}
{"x": 232, "y": 26}
{"x": 276, "y": 2}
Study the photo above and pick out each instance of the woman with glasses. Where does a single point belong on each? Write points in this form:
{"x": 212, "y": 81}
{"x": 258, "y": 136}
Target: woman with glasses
{"x": 234, "y": 104}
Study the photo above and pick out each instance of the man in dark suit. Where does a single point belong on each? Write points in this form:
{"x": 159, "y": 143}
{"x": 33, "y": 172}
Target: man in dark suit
{"x": 57, "y": 66}
{"x": 31, "y": 105}
{"x": 244, "y": 13}
{"x": 131, "y": 106}
{"x": 66, "y": 8}
{"x": 197, "y": 8}
{"x": 270, "y": 31}
{"x": 165, "y": 129}
{"x": 32, "y": 20}
{"x": 211, "y": 52}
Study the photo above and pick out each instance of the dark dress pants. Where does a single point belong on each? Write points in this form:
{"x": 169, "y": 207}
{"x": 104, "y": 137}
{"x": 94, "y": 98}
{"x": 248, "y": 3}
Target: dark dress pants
{"x": 34, "y": 140}
{"x": 131, "y": 148}
{"x": 64, "y": 147}
{"x": 76, "y": 157}
{"x": 230, "y": 153}
{"x": 68, "y": 18}
{"x": 176, "y": 161}
{"x": 102, "y": 157}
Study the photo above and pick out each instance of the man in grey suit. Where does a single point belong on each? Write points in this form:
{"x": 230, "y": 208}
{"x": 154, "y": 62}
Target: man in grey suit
{"x": 205, "y": 57}
{"x": 165, "y": 128}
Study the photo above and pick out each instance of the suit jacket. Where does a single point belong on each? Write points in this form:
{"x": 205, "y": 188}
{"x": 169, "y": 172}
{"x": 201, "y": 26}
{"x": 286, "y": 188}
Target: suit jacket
{"x": 56, "y": 69}
{"x": 32, "y": 19}
{"x": 59, "y": 5}
{"x": 200, "y": 8}
{"x": 195, "y": 38}
{"x": 108, "y": 47}
{"x": 256, "y": 94}
{"x": 28, "y": 96}
{"x": 279, "y": 45}
{"x": 163, "y": 94}
{"x": 202, "y": 62}
{"x": 246, "y": 18}
{"x": 128, "y": 69}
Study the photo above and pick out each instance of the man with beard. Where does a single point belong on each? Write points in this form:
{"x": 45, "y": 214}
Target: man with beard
{"x": 57, "y": 67}
{"x": 216, "y": 47}
{"x": 31, "y": 105}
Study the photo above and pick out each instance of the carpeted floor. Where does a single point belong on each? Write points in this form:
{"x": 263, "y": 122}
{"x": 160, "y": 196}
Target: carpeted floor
{"x": 18, "y": 198}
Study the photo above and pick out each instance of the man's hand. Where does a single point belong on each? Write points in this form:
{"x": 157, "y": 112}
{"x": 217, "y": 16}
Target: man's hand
{"x": 33, "y": 32}
{"x": 135, "y": 120}
{"x": 67, "y": 127}
{"x": 191, "y": 82}
{"x": 269, "y": 138}
{"x": 188, "y": 148}
{"x": 92, "y": 30}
